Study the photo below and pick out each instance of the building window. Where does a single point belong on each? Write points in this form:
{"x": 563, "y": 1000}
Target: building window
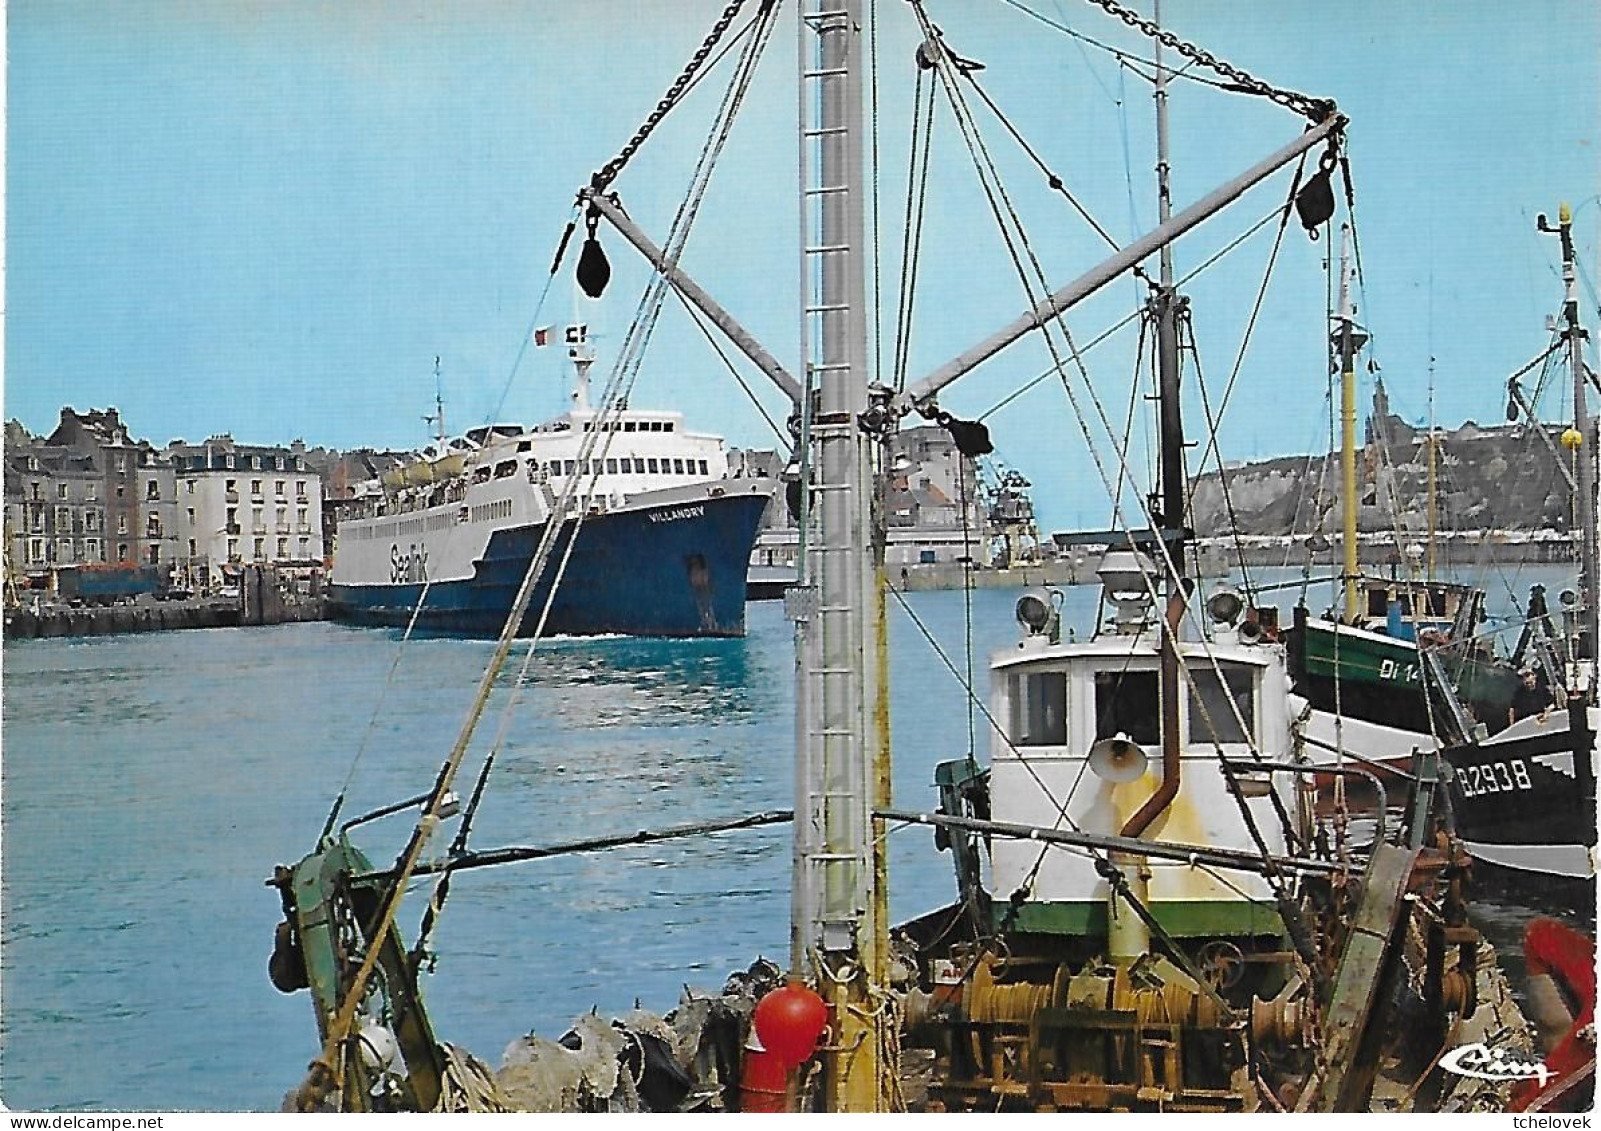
{"x": 91, "y": 520}
{"x": 227, "y": 461}
{"x": 233, "y": 549}
{"x": 261, "y": 548}
{"x": 122, "y": 465}
{"x": 283, "y": 548}
{"x": 191, "y": 516}
{"x": 191, "y": 486}
{"x": 305, "y": 548}
{"x": 36, "y": 549}
{"x": 193, "y": 549}
{"x": 122, "y": 525}
{"x": 64, "y": 550}
{"x": 122, "y": 551}
{"x": 256, "y": 519}
{"x": 300, "y": 517}
{"x": 121, "y": 490}
{"x": 61, "y": 490}
{"x": 35, "y": 487}
{"x": 91, "y": 549}
{"x": 155, "y": 555}
{"x": 63, "y": 519}
{"x": 279, "y": 488}
{"x": 153, "y": 490}
{"x": 153, "y": 527}
{"x": 255, "y": 486}
{"x": 33, "y": 463}
{"x": 300, "y": 488}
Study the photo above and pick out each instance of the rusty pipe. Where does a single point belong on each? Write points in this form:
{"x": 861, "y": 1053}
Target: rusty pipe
{"x": 1163, "y": 797}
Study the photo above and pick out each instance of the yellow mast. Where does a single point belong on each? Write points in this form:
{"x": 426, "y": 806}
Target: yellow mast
{"x": 1347, "y": 345}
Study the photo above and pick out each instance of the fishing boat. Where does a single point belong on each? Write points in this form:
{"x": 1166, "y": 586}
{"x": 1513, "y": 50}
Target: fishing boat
{"x": 656, "y": 534}
{"x": 1405, "y": 668}
{"x": 1525, "y": 797}
{"x": 1164, "y": 925}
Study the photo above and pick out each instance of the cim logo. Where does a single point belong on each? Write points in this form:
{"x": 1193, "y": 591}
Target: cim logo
{"x": 1484, "y": 1063}
{"x": 410, "y": 565}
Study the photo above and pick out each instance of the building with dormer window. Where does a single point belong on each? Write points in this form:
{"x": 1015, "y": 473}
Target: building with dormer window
{"x": 243, "y": 504}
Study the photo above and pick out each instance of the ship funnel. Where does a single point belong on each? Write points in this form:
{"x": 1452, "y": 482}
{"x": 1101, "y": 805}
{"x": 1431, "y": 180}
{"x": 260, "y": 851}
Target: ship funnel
{"x": 1128, "y": 580}
{"x": 1119, "y": 760}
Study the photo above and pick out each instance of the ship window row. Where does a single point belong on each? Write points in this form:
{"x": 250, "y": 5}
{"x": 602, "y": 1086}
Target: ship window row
{"x": 630, "y": 426}
{"x": 628, "y": 465}
{"x": 484, "y": 512}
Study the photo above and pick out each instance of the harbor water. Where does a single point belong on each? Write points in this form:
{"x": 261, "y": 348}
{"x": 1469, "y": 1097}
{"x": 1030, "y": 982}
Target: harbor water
{"x": 150, "y": 783}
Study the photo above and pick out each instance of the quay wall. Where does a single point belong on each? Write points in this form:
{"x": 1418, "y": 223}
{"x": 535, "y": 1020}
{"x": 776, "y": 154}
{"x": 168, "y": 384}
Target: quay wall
{"x": 58, "y": 621}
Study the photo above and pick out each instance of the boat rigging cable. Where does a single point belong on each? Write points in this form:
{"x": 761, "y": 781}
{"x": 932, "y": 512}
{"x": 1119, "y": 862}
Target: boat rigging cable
{"x": 328, "y": 1070}
{"x": 422, "y": 595}
{"x": 619, "y": 385}
{"x": 946, "y": 60}
{"x": 1107, "y": 333}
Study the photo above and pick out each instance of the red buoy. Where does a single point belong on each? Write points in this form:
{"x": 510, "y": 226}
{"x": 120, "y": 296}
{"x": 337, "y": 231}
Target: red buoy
{"x": 789, "y": 1021}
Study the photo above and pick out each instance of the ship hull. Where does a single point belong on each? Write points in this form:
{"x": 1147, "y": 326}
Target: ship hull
{"x": 1524, "y": 801}
{"x": 670, "y": 570}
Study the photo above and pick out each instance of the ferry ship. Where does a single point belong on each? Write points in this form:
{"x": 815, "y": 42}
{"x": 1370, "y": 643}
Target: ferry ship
{"x": 656, "y": 534}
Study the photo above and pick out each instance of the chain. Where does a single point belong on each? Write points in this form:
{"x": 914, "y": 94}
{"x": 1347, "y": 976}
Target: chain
{"x": 610, "y": 170}
{"x": 1317, "y": 109}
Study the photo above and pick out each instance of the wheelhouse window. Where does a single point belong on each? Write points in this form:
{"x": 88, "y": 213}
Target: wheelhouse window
{"x": 1039, "y": 709}
{"x": 1212, "y": 717}
{"x": 1128, "y": 703}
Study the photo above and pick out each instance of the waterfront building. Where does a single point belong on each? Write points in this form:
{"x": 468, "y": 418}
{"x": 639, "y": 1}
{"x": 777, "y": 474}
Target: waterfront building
{"x": 156, "y": 485}
{"x": 116, "y": 533}
{"x": 54, "y": 504}
{"x": 934, "y": 512}
{"x": 241, "y": 504}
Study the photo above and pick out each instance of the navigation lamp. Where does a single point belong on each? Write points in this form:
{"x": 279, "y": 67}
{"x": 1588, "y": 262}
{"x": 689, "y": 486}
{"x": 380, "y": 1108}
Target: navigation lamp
{"x": 789, "y": 1021}
{"x": 1225, "y": 606}
{"x": 1118, "y": 760}
{"x": 1034, "y": 612}
{"x": 1572, "y": 438}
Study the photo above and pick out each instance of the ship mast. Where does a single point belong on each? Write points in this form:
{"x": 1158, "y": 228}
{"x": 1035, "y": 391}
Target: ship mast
{"x": 839, "y": 933}
{"x": 437, "y": 419}
{"x": 1589, "y": 590}
{"x": 1165, "y": 307}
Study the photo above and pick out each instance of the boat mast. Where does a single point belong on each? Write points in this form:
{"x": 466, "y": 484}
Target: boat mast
{"x": 840, "y": 934}
{"x": 438, "y": 417}
{"x": 1165, "y": 307}
{"x": 1347, "y": 340}
{"x": 1589, "y": 591}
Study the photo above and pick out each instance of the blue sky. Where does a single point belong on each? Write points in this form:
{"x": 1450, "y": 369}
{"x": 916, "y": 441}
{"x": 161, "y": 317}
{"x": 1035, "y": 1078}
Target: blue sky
{"x": 268, "y": 218}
